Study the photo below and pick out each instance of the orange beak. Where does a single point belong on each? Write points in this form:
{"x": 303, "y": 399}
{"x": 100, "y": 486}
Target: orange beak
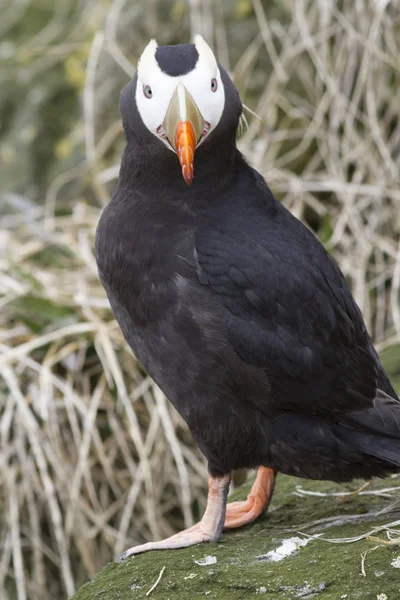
{"x": 184, "y": 125}
{"x": 185, "y": 145}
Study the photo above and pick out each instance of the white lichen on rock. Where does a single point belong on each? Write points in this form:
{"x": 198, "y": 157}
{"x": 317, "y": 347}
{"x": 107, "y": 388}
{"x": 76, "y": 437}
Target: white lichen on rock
{"x": 207, "y": 560}
{"x": 396, "y": 562}
{"x": 286, "y": 548}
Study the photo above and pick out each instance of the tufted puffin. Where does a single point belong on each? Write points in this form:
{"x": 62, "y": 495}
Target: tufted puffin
{"x": 231, "y": 304}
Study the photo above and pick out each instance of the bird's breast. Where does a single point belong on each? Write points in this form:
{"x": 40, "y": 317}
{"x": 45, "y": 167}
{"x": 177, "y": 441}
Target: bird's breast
{"x": 143, "y": 257}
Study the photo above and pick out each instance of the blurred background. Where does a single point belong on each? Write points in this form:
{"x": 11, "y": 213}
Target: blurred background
{"x": 92, "y": 458}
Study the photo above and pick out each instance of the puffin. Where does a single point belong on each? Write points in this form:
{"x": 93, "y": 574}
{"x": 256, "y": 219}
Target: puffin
{"x": 231, "y": 304}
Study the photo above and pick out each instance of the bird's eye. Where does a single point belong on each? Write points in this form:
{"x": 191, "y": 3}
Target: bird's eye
{"x": 214, "y": 84}
{"x": 147, "y": 91}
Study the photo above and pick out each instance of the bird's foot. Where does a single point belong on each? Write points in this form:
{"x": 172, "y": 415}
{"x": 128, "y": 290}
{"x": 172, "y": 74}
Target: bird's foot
{"x": 183, "y": 539}
{"x": 242, "y": 513}
{"x": 209, "y": 529}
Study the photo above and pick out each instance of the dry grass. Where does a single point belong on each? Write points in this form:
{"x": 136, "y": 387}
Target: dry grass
{"x": 90, "y": 454}
{"x": 92, "y": 457}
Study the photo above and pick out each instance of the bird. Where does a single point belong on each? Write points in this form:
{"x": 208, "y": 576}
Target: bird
{"x": 231, "y": 304}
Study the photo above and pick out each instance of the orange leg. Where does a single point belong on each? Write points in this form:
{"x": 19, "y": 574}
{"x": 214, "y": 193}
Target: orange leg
{"x": 241, "y": 513}
{"x": 209, "y": 529}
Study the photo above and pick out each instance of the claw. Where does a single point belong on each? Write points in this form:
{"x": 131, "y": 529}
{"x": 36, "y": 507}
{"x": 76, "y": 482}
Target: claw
{"x": 123, "y": 556}
{"x": 209, "y": 529}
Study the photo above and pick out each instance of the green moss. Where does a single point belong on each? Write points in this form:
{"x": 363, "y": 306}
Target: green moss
{"x": 320, "y": 569}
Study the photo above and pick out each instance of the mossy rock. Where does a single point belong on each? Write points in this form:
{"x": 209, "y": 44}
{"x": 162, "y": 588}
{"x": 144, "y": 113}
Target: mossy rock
{"x": 239, "y": 566}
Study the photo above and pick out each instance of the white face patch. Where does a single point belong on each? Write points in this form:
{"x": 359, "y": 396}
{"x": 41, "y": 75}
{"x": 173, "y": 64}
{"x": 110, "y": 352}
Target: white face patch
{"x": 198, "y": 83}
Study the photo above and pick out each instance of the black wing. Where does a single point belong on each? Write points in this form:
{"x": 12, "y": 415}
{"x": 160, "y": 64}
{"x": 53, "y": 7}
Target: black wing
{"x": 287, "y": 308}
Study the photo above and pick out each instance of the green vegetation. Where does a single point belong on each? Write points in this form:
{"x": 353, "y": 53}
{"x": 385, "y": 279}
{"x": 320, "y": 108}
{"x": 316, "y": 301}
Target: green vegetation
{"x": 243, "y": 570}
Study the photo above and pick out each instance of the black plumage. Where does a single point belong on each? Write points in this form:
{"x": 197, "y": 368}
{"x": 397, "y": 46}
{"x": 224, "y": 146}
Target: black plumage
{"x": 177, "y": 60}
{"x": 240, "y": 315}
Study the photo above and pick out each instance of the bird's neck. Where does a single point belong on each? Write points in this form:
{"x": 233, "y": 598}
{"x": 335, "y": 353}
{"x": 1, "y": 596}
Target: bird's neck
{"x": 155, "y": 170}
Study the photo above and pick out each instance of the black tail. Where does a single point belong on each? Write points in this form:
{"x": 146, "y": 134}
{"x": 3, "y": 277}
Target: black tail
{"x": 376, "y": 432}
{"x": 359, "y": 444}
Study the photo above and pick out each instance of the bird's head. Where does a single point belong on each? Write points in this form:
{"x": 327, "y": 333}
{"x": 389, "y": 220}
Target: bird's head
{"x": 181, "y": 96}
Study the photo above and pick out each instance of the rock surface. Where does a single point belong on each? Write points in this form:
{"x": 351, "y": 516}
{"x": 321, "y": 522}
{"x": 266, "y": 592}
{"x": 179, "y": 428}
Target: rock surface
{"x": 275, "y": 558}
